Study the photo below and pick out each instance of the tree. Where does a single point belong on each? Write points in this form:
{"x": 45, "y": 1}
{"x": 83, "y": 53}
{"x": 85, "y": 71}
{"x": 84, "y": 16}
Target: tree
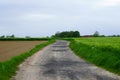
{"x": 76, "y": 34}
{"x": 12, "y": 36}
{"x": 67, "y": 34}
{"x": 2, "y": 36}
{"x": 96, "y": 34}
{"x": 27, "y": 37}
{"x": 57, "y": 34}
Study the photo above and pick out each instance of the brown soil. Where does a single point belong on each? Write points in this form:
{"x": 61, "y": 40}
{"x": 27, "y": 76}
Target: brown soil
{"x": 9, "y": 49}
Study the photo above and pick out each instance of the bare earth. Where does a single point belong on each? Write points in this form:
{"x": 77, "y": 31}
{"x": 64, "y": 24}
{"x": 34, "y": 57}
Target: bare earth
{"x": 58, "y": 62}
{"x": 10, "y": 49}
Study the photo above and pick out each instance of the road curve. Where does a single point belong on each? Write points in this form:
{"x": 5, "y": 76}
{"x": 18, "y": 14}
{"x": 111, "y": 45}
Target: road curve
{"x": 58, "y": 62}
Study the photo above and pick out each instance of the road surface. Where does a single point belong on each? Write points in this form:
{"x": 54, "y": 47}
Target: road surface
{"x": 58, "y": 62}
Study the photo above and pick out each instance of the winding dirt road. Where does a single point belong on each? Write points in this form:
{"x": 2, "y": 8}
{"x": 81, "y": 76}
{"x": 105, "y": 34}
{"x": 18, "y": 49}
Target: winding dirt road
{"x": 58, "y": 62}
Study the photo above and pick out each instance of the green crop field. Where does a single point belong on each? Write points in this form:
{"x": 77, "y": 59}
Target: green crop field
{"x": 110, "y": 44}
{"x": 101, "y": 51}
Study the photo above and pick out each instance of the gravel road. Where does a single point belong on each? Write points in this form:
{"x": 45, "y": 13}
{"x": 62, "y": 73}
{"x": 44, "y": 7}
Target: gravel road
{"x": 58, "y": 62}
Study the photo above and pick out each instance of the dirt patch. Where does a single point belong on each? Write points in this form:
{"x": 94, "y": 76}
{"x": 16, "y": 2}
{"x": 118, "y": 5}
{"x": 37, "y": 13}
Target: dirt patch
{"x": 10, "y": 49}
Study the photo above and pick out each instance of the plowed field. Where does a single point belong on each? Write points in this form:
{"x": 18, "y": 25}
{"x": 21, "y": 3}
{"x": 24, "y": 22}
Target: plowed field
{"x": 9, "y": 49}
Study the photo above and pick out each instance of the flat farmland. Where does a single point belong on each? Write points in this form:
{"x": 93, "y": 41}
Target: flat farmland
{"x": 101, "y": 51}
{"x": 9, "y": 49}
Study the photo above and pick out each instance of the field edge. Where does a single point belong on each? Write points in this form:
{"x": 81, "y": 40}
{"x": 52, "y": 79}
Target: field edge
{"x": 102, "y": 61}
{"x": 8, "y": 68}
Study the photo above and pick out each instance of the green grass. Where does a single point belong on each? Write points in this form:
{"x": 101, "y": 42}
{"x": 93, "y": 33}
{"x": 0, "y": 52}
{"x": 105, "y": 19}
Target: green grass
{"x": 8, "y": 68}
{"x": 24, "y": 39}
{"x": 103, "y": 52}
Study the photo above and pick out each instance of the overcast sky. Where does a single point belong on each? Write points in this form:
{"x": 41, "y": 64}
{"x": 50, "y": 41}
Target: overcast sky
{"x": 46, "y": 17}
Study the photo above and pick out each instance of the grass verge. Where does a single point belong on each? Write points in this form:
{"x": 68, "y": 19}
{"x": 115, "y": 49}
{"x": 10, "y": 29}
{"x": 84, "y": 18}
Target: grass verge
{"x": 8, "y": 68}
{"x": 109, "y": 60}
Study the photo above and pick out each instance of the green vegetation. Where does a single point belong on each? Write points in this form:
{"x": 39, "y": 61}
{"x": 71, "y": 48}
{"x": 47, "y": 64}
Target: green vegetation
{"x": 101, "y": 51}
{"x": 8, "y": 68}
{"x": 96, "y": 34}
{"x": 24, "y": 39}
{"x": 67, "y": 34}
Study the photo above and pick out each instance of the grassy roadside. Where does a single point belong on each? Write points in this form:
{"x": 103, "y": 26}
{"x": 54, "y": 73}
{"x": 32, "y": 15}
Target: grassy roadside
{"x": 8, "y": 68}
{"x": 107, "y": 59}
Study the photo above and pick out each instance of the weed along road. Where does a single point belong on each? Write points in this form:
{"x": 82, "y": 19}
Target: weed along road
{"x": 58, "y": 62}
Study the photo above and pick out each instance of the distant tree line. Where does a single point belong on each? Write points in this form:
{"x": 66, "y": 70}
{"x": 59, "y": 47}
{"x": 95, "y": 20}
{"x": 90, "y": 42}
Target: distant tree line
{"x": 67, "y": 34}
{"x": 97, "y": 34}
{"x": 24, "y": 39}
{"x": 27, "y": 38}
{"x": 8, "y": 36}
{"x": 64, "y": 34}
{"x": 114, "y": 36}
